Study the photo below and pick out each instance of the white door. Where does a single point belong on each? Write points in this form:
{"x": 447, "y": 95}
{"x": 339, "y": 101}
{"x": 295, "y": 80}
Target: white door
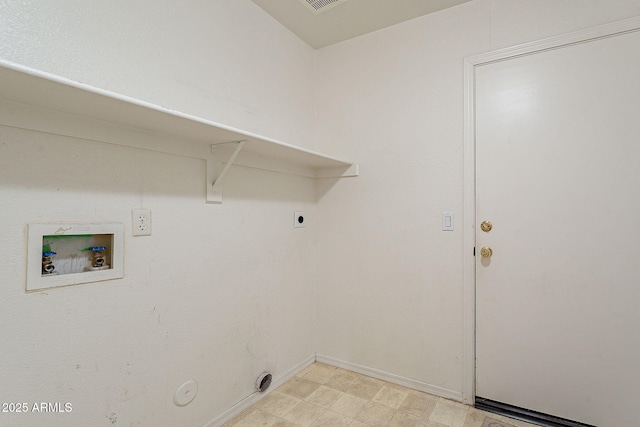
{"x": 558, "y": 176}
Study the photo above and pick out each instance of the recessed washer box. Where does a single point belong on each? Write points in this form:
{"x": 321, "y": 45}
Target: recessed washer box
{"x": 72, "y": 253}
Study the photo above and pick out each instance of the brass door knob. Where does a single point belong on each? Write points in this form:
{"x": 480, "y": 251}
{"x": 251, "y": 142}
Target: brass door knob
{"x": 486, "y": 252}
{"x": 486, "y": 226}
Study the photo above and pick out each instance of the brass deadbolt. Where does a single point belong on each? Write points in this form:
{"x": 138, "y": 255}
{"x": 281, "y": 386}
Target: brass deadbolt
{"x": 486, "y": 226}
{"x": 486, "y": 252}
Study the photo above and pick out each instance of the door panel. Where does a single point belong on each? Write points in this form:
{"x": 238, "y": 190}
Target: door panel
{"x": 558, "y": 175}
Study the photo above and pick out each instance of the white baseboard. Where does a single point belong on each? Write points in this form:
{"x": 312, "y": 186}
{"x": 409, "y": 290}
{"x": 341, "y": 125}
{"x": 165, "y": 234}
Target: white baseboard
{"x": 392, "y": 378}
{"x": 245, "y": 403}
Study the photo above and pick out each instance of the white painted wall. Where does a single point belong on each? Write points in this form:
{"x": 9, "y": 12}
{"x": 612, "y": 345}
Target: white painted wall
{"x": 224, "y": 60}
{"x": 392, "y": 282}
{"x": 218, "y": 293}
{"x": 231, "y": 293}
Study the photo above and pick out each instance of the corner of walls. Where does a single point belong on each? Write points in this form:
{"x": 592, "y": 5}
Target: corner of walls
{"x": 392, "y": 279}
{"x": 255, "y": 397}
{"x": 391, "y": 377}
{"x": 393, "y": 101}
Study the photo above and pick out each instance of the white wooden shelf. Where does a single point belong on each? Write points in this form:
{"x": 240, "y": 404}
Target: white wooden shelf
{"x": 33, "y": 99}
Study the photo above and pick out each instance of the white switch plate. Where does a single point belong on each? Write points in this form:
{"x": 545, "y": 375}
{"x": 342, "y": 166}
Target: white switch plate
{"x": 447, "y": 221}
{"x": 141, "y": 222}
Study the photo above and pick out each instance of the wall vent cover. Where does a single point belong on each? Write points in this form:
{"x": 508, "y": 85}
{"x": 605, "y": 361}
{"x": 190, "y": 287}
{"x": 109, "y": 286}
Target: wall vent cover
{"x": 319, "y": 6}
{"x": 263, "y": 382}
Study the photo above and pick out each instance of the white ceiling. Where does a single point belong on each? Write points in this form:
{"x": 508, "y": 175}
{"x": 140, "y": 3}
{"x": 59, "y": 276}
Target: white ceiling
{"x": 349, "y": 19}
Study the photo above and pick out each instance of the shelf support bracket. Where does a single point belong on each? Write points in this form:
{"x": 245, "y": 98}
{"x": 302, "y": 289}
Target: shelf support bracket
{"x": 218, "y": 164}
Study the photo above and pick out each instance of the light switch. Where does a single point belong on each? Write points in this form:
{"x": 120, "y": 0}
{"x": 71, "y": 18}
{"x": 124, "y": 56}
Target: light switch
{"x": 447, "y": 221}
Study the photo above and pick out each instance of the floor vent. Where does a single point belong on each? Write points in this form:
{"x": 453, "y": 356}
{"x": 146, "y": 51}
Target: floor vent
{"x": 319, "y": 6}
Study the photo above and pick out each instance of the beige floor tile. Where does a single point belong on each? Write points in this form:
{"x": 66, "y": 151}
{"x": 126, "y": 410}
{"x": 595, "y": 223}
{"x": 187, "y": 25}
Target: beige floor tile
{"x": 324, "y": 396}
{"x": 419, "y": 405}
{"x": 284, "y": 423}
{"x": 306, "y": 370}
{"x": 326, "y": 365}
{"x": 277, "y": 403}
{"x": 401, "y": 387}
{"x": 357, "y": 423}
{"x": 494, "y": 420}
{"x": 320, "y": 374}
{"x": 348, "y": 374}
{"x": 474, "y": 418}
{"x": 342, "y": 379}
{"x": 233, "y": 422}
{"x": 365, "y": 387}
{"x": 236, "y": 421}
{"x": 434, "y": 424}
{"x": 481, "y": 412}
{"x": 349, "y": 405}
{"x": 304, "y": 414}
{"x": 400, "y": 419}
{"x": 390, "y": 397}
{"x": 257, "y": 418}
{"x": 454, "y": 403}
{"x": 514, "y": 422}
{"x": 449, "y": 414}
{"x": 298, "y": 387}
{"x": 332, "y": 419}
{"x": 376, "y": 415}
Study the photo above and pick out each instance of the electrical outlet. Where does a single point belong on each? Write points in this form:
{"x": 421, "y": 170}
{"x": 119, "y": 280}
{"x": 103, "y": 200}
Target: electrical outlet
{"x": 299, "y": 219}
{"x": 141, "y": 222}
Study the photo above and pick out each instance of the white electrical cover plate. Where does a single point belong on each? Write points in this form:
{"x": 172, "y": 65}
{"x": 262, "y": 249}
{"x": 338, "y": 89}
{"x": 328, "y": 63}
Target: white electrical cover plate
{"x": 141, "y": 222}
{"x": 37, "y": 281}
{"x": 299, "y": 219}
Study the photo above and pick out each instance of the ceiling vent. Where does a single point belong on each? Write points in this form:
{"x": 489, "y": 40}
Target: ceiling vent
{"x": 319, "y": 6}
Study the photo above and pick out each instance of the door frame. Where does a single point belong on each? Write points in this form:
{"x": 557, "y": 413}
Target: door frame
{"x": 469, "y": 172}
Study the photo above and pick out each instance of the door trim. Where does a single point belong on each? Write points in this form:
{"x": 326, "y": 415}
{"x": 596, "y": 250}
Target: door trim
{"x": 469, "y": 171}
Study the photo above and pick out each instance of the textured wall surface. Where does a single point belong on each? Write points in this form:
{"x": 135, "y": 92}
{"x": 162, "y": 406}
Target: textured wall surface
{"x": 224, "y": 60}
{"x": 393, "y": 100}
{"x": 218, "y": 293}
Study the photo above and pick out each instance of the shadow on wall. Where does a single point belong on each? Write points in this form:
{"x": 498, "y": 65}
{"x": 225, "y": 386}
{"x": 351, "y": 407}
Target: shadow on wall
{"x": 37, "y": 161}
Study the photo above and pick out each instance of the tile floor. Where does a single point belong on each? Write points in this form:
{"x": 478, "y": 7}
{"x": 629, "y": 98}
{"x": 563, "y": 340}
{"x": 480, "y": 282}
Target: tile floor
{"x": 326, "y": 396}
